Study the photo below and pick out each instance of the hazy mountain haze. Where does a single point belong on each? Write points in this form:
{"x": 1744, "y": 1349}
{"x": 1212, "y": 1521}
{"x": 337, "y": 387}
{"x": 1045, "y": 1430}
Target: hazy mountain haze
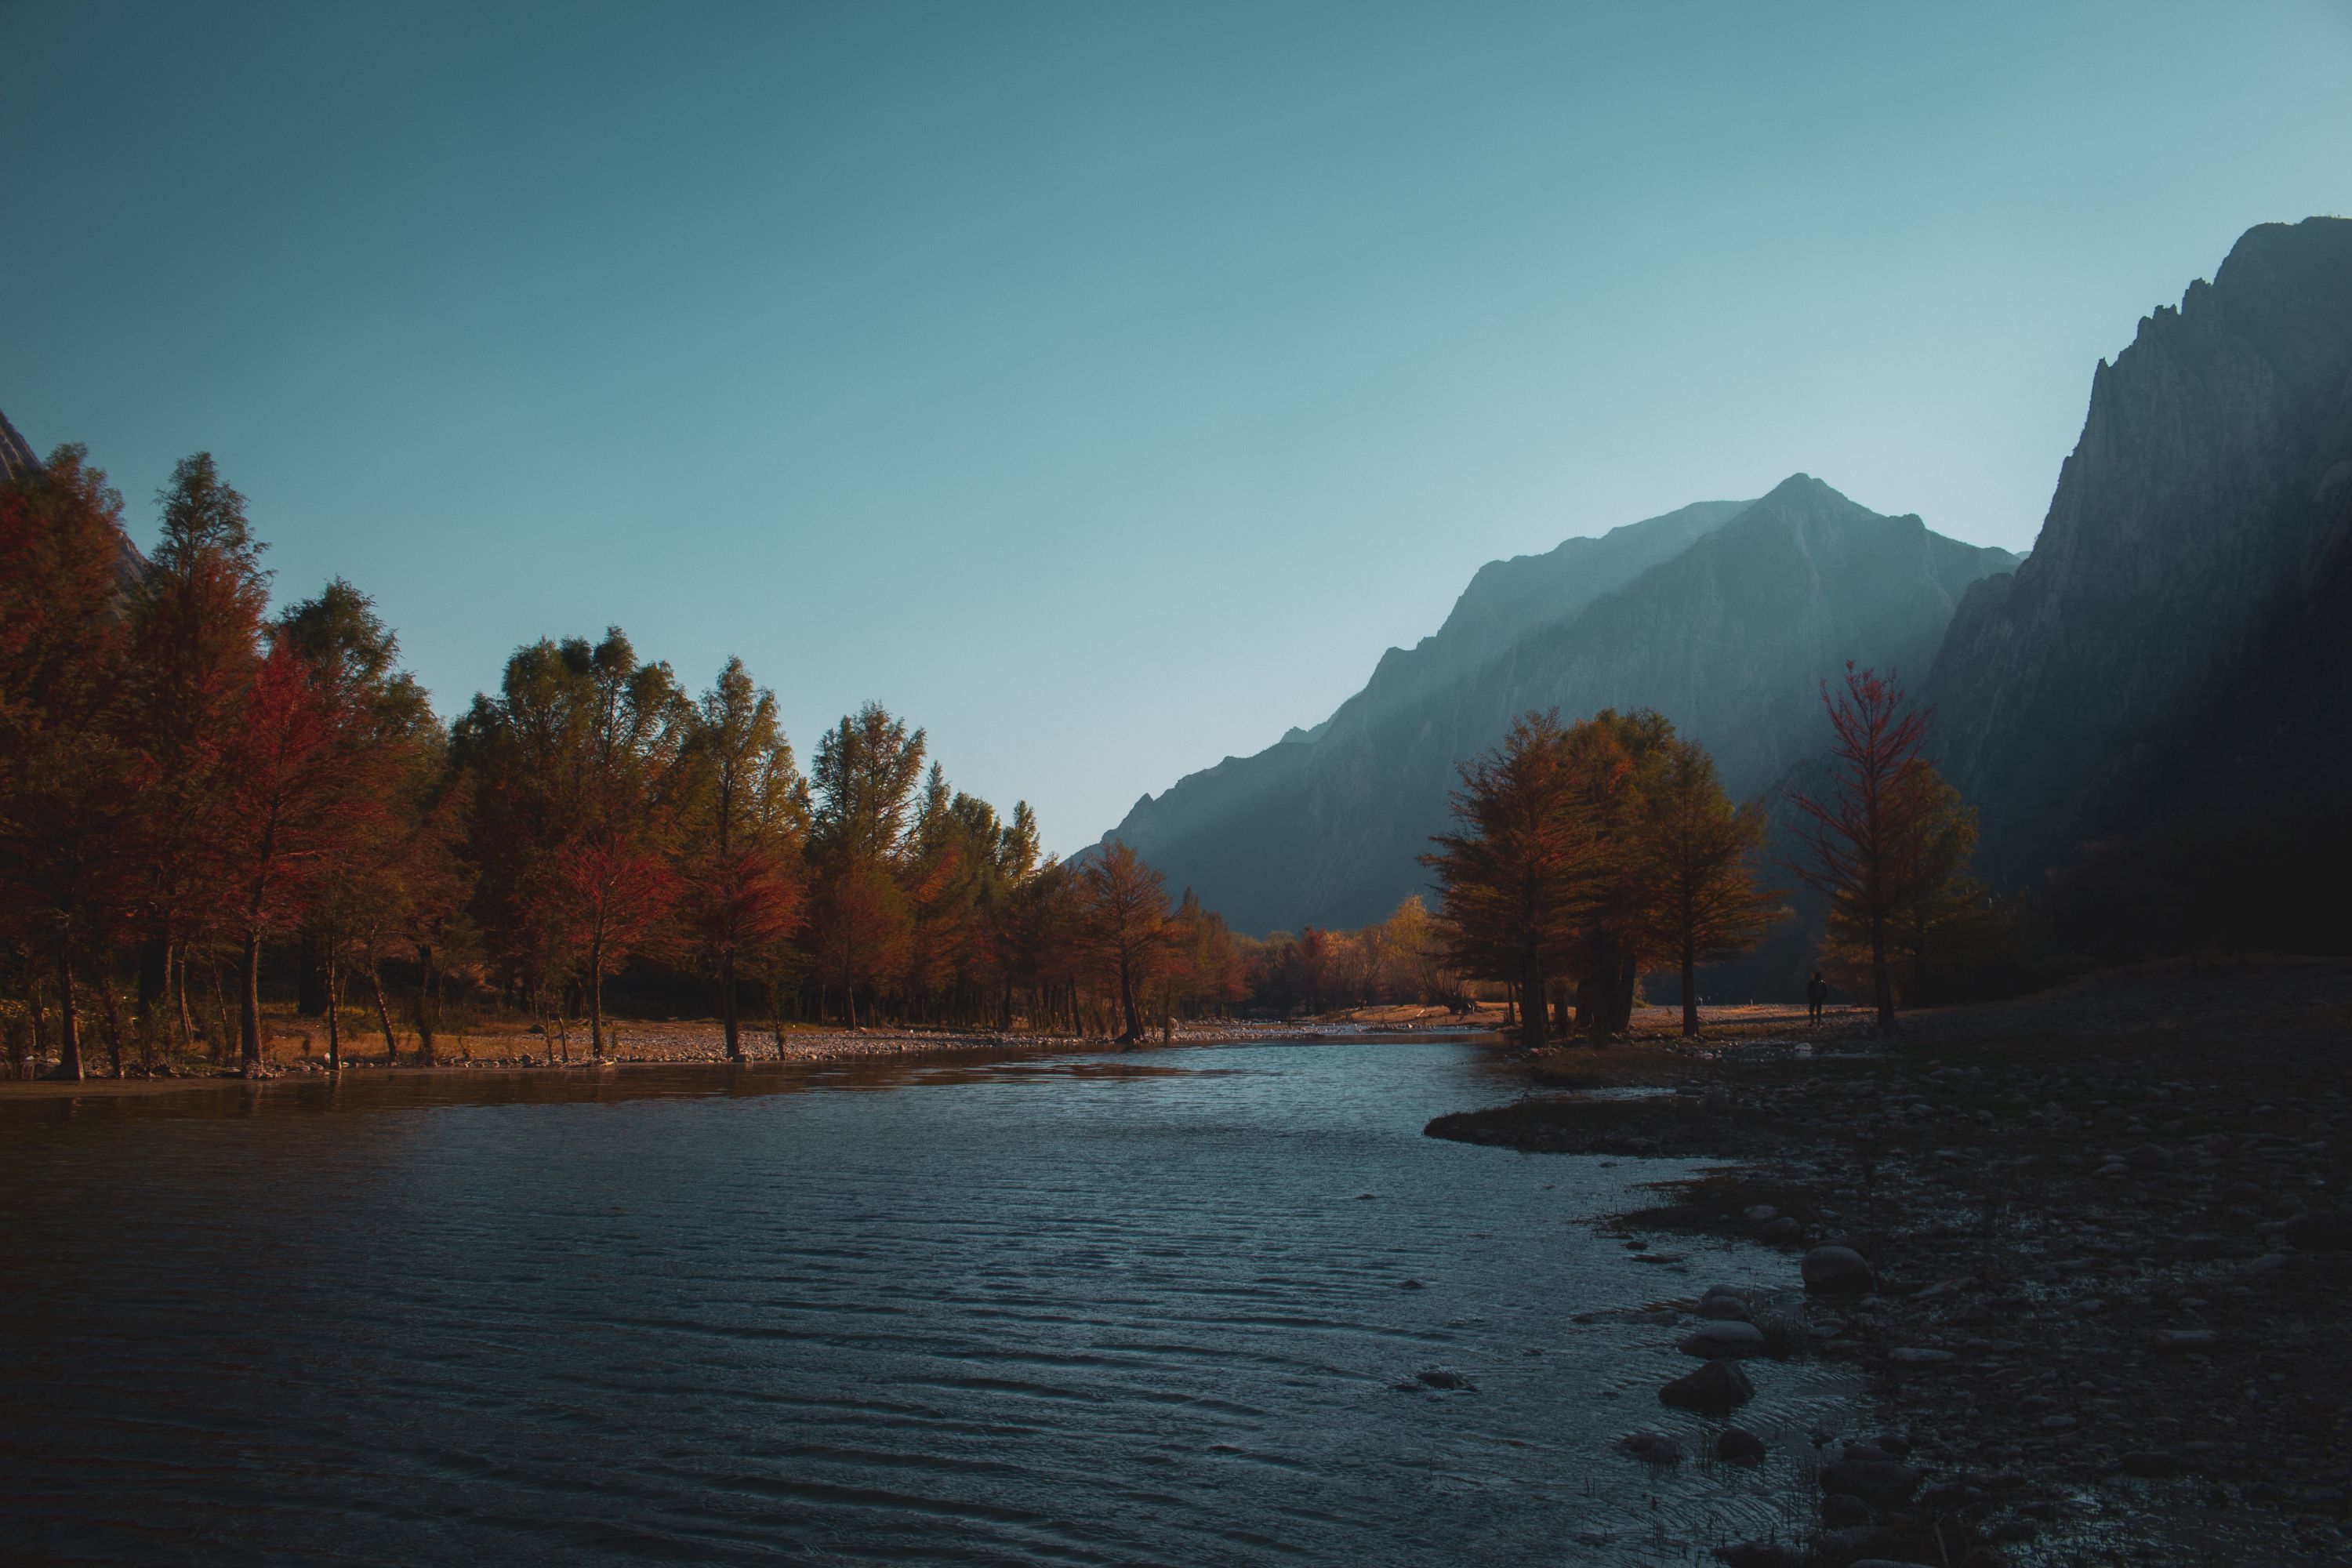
{"x": 1102, "y": 388}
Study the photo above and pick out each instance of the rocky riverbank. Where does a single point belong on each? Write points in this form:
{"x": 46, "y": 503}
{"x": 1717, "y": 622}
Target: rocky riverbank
{"x": 2087, "y": 1251}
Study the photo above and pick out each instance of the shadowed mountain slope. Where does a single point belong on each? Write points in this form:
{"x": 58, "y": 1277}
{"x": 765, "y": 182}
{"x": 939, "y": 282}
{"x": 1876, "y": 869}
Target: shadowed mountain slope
{"x": 1723, "y": 616}
{"x": 2177, "y": 645}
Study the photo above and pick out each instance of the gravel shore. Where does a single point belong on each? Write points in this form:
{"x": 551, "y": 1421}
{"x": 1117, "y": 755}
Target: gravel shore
{"x": 2101, "y": 1265}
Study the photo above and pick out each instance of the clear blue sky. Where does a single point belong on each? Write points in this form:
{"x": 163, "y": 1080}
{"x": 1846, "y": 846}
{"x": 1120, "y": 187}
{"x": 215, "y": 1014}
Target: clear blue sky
{"x": 1103, "y": 386}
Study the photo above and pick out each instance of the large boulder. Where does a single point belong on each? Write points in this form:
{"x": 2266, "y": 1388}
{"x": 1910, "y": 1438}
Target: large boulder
{"x": 1881, "y": 1483}
{"x": 1652, "y": 1447}
{"x": 1837, "y": 1272}
{"x": 1723, "y": 1338}
{"x": 1715, "y": 1387}
{"x": 2321, "y": 1230}
{"x": 1734, "y": 1446}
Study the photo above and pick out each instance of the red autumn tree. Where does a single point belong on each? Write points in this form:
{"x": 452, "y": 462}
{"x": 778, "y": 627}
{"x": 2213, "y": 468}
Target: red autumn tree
{"x": 742, "y": 826}
{"x": 68, "y": 785}
{"x": 579, "y": 771}
{"x": 1862, "y": 829}
{"x": 196, "y": 631}
{"x": 861, "y": 844}
{"x": 1516, "y": 874}
{"x": 1697, "y": 854}
{"x": 390, "y": 876}
{"x": 292, "y": 808}
{"x": 1126, "y": 923}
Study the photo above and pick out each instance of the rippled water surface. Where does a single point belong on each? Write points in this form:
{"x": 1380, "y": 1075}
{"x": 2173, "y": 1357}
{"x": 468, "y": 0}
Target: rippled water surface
{"x": 1141, "y": 1309}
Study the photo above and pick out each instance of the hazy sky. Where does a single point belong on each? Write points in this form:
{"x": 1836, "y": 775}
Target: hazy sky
{"x": 1103, "y": 386}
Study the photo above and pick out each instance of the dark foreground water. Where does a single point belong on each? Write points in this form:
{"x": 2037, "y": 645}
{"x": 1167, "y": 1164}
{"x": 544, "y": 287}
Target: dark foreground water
{"x": 1141, "y": 1309}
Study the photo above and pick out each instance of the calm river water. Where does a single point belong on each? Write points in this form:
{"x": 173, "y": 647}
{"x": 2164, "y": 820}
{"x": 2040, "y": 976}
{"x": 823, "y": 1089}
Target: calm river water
{"x": 1083, "y": 1310}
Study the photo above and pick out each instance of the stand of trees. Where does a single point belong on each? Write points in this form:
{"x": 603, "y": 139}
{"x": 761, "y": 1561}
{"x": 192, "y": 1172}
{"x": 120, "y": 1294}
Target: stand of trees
{"x": 197, "y": 795}
{"x": 1586, "y": 854}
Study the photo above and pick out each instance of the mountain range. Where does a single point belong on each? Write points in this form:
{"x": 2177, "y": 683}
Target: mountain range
{"x": 2177, "y": 646}
{"x": 1724, "y": 615}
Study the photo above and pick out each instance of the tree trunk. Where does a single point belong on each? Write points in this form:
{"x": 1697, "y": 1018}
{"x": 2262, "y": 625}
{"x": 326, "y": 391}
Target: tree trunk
{"x": 1621, "y": 1006}
{"x": 180, "y": 990}
{"x": 1882, "y": 982}
{"x": 113, "y": 1016}
{"x": 249, "y": 1000}
{"x": 335, "y": 1013}
{"x": 426, "y": 978}
{"x": 1134, "y": 1033}
{"x": 727, "y": 1005}
{"x": 382, "y": 1015}
{"x": 38, "y": 1006}
{"x": 1532, "y": 1003}
{"x": 69, "y": 1023}
{"x": 1690, "y": 992}
{"x": 219, "y": 1052}
{"x": 596, "y": 994}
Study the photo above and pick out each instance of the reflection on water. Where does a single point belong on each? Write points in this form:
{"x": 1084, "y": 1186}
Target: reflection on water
{"x": 1116, "y": 1309}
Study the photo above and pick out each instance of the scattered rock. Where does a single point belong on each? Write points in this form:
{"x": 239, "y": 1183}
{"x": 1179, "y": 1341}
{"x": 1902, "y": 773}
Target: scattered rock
{"x": 1842, "y": 1511}
{"x": 1718, "y": 1387}
{"x": 1881, "y": 1483}
{"x": 2149, "y": 1157}
{"x": 1848, "y": 1545}
{"x": 2320, "y": 1230}
{"x": 1836, "y": 1271}
{"x": 1759, "y": 1554}
{"x": 1724, "y": 1337}
{"x": 1652, "y": 1447}
{"x": 1438, "y": 1377}
{"x": 1920, "y": 1357}
{"x": 2181, "y": 1341}
{"x": 1735, "y": 1446}
{"x": 1409, "y": 1285}
{"x": 1781, "y": 1231}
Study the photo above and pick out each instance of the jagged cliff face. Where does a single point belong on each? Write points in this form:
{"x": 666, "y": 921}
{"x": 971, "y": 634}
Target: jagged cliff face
{"x": 2189, "y": 581}
{"x": 1724, "y": 617}
{"x": 15, "y": 452}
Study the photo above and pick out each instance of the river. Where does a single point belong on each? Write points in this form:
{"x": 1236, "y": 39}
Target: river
{"x": 1079, "y": 1310}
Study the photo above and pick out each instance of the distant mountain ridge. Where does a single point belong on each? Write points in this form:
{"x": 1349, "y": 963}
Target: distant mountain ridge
{"x": 1723, "y": 616}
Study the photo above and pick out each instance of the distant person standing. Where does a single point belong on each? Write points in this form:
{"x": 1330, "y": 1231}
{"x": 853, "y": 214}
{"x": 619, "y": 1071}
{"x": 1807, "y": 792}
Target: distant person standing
{"x": 1817, "y": 995}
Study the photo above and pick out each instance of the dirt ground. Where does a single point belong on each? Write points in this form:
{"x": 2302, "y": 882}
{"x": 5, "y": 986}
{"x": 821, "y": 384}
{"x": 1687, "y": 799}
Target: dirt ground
{"x": 2108, "y": 1316}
